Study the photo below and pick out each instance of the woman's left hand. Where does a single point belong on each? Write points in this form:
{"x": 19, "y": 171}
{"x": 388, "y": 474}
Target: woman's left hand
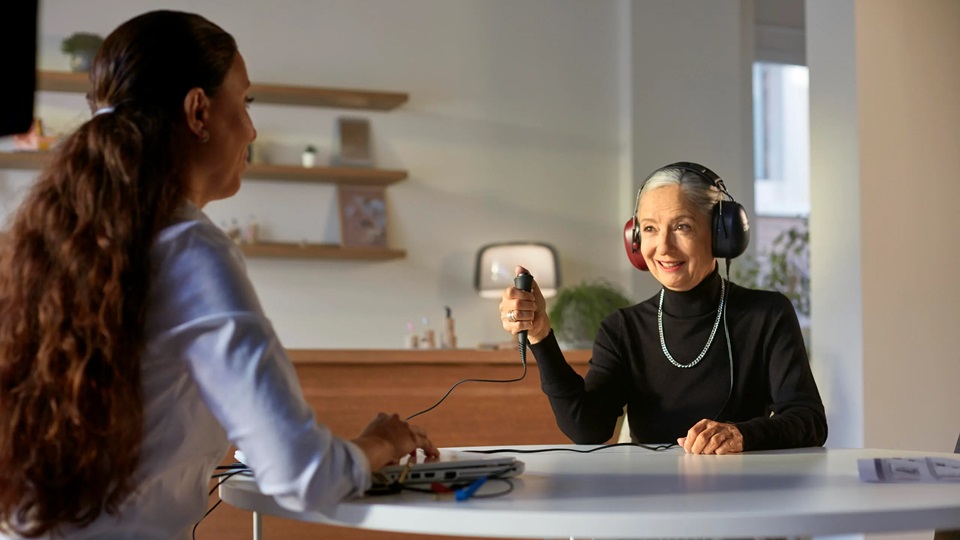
{"x": 710, "y": 437}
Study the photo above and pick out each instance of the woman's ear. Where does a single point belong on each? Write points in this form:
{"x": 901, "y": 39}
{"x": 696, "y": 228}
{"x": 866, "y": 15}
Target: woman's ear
{"x": 196, "y": 109}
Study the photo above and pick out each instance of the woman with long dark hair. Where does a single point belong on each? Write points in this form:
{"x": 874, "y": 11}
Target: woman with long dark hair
{"x": 133, "y": 348}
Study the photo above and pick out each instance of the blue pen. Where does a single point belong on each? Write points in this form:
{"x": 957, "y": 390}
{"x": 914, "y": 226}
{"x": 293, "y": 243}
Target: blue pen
{"x": 467, "y": 492}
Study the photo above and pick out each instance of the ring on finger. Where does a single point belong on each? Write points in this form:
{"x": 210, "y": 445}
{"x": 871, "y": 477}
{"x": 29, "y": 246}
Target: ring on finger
{"x": 512, "y": 315}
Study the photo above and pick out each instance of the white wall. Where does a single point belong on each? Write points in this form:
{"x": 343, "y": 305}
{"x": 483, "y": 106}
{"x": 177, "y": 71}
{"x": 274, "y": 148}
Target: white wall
{"x": 511, "y": 132}
{"x": 886, "y": 301}
{"x": 526, "y": 120}
{"x": 910, "y": 155}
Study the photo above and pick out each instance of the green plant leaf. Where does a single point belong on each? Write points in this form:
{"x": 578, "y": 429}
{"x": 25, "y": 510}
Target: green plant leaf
{"x": 81, "y": 41}
{"x": 578, "y": 310}
{"x": 784, "y": 268}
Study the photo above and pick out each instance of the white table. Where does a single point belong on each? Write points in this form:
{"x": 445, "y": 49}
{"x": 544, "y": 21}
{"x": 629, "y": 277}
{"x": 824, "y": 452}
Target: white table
{"x": 629, "y": 492}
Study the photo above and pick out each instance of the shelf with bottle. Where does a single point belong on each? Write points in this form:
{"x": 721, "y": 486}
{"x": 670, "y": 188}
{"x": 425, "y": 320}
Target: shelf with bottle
{"x": 340, "y": 98}
{"x": 57, "y": 81}
{"x": 283, "y": 173}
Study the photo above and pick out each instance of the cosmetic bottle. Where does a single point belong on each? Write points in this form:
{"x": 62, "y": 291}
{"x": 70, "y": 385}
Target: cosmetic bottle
{"x": 412, "y": 341}
{"x": 251, "y": 233}
{"x": 429, "y": 339}
{"x": 449, "y": 337}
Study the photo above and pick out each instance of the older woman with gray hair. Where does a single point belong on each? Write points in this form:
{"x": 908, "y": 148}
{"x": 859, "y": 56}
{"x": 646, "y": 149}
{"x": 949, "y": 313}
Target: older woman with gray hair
{"x": 747, "y": 386}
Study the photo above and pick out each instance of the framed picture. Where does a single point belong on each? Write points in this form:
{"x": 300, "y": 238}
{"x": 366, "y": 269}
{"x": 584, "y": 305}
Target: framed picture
{"x": 363, "y": 216}
{"x": 351, "y": 141}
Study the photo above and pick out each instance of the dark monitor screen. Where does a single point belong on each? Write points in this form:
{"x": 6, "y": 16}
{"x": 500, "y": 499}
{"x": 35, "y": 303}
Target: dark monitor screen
{"x": 18, "y": 37}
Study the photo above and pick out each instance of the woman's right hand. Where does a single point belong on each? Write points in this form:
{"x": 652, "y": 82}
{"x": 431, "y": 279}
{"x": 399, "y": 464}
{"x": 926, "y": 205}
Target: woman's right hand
{"x": 388, "y": 438}
{"x": 521, "y": 310}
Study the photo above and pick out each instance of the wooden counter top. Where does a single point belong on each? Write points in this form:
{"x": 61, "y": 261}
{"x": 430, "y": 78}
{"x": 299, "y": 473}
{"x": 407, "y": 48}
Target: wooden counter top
{"x": 422, "y": 356}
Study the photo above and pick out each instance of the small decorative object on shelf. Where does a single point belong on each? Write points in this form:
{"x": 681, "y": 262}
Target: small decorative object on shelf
{"x": 251, "y": 233}
{"x": 82, "y": 48}
{"x": 363, "y": 216}
{"x": 413, "y": 340}
{"x": 449, "y": 337}
{"x": 352, "y": 143}
{"x": 35, "y": 139}
{"x": 309, "y": 157}
{"x": 233, "y": 230}
{"x": 429, "y": 338}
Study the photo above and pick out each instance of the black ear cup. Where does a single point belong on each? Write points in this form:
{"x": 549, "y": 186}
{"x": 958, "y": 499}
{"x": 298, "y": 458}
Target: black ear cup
{"x": 731, "y": 230}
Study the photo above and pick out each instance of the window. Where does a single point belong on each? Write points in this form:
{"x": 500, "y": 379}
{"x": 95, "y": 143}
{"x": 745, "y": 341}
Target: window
{"x": 781, "y": 134}
{"x": 781, "y": 131}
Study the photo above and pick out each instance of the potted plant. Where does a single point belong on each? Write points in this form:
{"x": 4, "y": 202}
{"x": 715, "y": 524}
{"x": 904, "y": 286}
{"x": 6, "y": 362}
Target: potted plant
{"x": 82, "y": 48}
{"x": 784, "y": 268}
{"x": 577, "y": 311}
{"x": 309, "y": 156}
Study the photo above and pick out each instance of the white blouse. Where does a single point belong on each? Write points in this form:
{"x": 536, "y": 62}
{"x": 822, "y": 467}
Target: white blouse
{"x": 214, "y": 372}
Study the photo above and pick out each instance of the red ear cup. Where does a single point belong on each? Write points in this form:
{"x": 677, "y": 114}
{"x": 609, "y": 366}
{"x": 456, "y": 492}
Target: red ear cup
{"x": 631, "y": 242}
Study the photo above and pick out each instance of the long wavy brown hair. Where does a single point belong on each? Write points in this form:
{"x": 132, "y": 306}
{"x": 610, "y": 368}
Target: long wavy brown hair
{"x": 75, "y": 273}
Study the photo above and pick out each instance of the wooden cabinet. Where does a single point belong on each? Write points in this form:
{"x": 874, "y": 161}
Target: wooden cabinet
{"x": 347, "y": 388}
{"x": 275, "y": 94}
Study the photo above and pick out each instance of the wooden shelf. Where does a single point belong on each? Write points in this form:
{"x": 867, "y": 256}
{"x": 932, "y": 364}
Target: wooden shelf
{"x": 423, "y": 356}
{"x": 327, "y": 175}
{"x": 340, "y": 98}
{"x": 284, "y": 173}
{"x": 24, "y": 160}
{"x": 282, "y": 250}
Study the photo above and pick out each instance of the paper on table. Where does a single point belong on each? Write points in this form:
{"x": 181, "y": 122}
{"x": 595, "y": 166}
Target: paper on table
{"x": 926, "y": 469}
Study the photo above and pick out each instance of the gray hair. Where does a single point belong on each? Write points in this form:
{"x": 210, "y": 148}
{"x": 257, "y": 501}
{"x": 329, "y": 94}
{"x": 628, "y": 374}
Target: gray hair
{"x": 696, "y": 188}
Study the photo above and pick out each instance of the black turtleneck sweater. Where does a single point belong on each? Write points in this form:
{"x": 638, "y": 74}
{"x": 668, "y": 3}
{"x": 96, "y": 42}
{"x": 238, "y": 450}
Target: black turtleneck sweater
{"x": 774, "y": 400}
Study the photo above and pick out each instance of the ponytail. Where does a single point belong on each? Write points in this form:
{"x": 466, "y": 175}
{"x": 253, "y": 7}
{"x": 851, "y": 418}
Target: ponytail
{"x": 74, "y": 278}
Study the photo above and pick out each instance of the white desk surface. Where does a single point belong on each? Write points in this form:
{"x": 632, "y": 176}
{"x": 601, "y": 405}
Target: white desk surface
{"x": 629, "y": 492}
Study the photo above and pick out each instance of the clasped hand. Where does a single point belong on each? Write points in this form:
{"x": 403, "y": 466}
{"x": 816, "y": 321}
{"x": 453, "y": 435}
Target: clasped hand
{"x": 710, "y": 437}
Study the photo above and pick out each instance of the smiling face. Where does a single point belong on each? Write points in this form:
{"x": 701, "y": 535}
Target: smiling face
{"x": 675, "y": 238}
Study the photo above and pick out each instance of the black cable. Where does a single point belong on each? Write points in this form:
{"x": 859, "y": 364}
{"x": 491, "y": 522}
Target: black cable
{"x": 523, "y": 282}
{"x": 726, "y": 333}
{"x": 653, "y": 448}
{"x": 499, "y": 493}
{"x": 523, "y": 359}
{"x": 225, "y": 476}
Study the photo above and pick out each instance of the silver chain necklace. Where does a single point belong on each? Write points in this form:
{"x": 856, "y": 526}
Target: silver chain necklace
{"x": 716, "y": 324}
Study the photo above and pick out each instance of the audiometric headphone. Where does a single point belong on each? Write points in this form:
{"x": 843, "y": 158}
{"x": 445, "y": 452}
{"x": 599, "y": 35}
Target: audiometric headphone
{"x": 730, "y": 229}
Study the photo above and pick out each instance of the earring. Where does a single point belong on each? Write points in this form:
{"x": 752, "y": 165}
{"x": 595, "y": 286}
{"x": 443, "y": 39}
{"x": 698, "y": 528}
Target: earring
{"x": 204, "y": 136}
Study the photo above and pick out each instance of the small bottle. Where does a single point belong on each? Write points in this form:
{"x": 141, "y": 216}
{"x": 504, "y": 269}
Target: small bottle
{"x": 413, "y": 340}
{"x": 449, "y": 336}
{"x": 234, "y": 232}
{"x": 251, "y": 233}
{"x": 429, "y": 339}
